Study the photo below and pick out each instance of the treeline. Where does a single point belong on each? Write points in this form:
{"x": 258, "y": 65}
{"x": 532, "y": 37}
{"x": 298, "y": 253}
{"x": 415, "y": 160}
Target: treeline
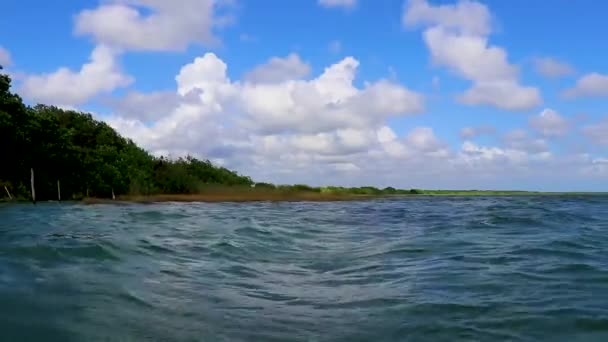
{"x": 364, "y": 190}
{"x": 86, "y": 157}
{"x": 75, "y": 155}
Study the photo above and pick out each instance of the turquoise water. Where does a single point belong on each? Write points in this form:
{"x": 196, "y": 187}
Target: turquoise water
{"x": 420, "y": 269}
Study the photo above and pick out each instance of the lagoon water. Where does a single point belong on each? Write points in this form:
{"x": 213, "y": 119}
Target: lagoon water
{"x": 412, "y": 269}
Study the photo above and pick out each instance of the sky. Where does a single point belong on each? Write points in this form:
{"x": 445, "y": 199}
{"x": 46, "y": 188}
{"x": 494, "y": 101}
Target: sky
{"x": 412, "y": 94}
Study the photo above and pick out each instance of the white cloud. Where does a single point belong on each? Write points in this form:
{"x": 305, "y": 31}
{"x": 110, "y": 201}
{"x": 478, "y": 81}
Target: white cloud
{"x": 65, "y": 87}
{"x": 327, "y": 102}
{"x": 335, "y": 47}
{"x": 502, "y": 94}
{"x": 386, "y": 134}
{"x": 590, "y": 85}
{"x": 5, "y": 57}
{"x": 597, "y": 133}
{"x": 552, "y": 68}
{"x": 467, "y": 133}
{"x": 468, "y": 17}
{"x": 151, "y": 24}
{"x": 323, "y": 116}
{"x": 279, "y": 69}
{"x": 147, "y": 106}
{"x": 338, "y": 3}
{"x": 424, "y": 139}
{"x": 484, "y": 157}
{"x": 457, "y": 37}
{"x": 326, "y": 130}
{"x": 550, "y": 124}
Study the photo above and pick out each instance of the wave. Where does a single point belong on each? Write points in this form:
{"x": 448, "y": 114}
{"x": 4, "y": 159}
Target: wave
{"x": 454, "y": 268}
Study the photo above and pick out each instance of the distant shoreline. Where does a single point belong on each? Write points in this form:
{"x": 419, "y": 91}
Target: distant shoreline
{"x": 311, "y": 196}
{"x": 234, "y": 197}
{"x": 240, "y": 195}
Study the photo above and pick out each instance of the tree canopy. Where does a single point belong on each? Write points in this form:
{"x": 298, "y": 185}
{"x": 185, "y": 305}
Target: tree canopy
{"x": 87, "y": 156}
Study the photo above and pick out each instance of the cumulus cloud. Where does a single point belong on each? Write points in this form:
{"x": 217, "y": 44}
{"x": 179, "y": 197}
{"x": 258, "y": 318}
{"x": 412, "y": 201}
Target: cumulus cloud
{"x": 149, "y": 106}
{"x": 338, "y": 3}
{"x": 152, "y": 24}
{"x": 550, "y": 124}
{"x": 424, "y": 139}
{"x": 327, "y": 102}
{"x": 5, "y": 57}
{"x": 485, "y": 157}
{"x": 457, "y": 37}
{"x": 552, "y": 68}
{"x": 325, "y": 130}
{"x": 590, "y": 85}
{"x": 279, "y": 69}
{"x": 468, "y": 133}
{"x": 66, "y": 87}
{"x": 327, "y": 115}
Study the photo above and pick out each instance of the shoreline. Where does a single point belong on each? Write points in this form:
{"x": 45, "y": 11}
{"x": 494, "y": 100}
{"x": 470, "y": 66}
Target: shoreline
{"x": 233, "y": 197}
{"x": 271, "y": 196}
{"x": 309, "y": 197}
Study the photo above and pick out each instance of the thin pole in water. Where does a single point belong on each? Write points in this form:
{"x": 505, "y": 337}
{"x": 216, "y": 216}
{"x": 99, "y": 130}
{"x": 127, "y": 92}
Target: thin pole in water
{"x": 8, "y": 193}
{"x": 33, "y": 189}
{"x": 58, "y": 191}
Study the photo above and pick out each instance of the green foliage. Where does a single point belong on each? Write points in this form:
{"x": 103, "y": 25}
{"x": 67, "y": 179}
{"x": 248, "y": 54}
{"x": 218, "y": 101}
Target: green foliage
{"x": 267, "y": 186}
{"x": 87, "y": 156}
{"x": 303, "y": 187}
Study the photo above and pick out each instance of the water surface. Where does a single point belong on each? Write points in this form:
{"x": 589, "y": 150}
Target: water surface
{"x": 416, "y": 269}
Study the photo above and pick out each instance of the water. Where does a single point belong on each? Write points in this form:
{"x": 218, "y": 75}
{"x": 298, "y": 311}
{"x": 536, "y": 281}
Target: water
{"x": 420, "y": 269}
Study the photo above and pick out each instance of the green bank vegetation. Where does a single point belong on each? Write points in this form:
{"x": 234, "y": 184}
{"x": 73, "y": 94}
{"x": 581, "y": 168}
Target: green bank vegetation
{"x": 74, "y": 156}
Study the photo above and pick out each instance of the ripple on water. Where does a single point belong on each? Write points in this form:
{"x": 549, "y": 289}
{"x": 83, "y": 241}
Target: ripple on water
{"x": 420, "y": 268}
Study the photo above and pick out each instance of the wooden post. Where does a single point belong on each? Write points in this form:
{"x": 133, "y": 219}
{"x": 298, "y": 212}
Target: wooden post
{"x": 113, "y": 197}
{"x": 58, "y": 191}
{"x": 33, "y": 188}
{"x": 8, "y": 193}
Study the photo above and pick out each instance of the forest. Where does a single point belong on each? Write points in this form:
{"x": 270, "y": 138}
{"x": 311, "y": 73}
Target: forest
{"x": 72, "y": 153}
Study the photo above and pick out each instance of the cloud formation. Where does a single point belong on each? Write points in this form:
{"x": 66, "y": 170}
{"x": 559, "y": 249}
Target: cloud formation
{"x": 326, "y": 115}
{"x": 279, "y": 69}
{"x": 152, "y": 24}
{"x": 65, "y": 87}
{"x": 457, "y": 37}
{"x": 326, "y": 130}
{"x": 590, "y": 85}
{"x": 549, "y": 124}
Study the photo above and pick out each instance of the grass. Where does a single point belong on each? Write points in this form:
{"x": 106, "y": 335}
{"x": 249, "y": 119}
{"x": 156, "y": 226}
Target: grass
{"x": 236, "y": 194}
{"x": 295, "y": 193}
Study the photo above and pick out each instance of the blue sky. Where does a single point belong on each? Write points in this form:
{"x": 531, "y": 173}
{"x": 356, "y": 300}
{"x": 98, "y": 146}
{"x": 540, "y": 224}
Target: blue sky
{"x": 445, "y": 93}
